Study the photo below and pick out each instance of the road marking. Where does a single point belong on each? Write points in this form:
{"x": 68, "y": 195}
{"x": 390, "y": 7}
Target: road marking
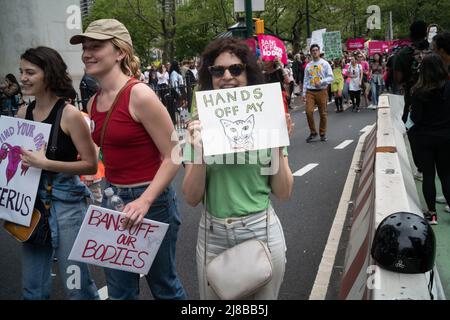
{"x": 103, "y": 292}
{"x": 305, "y": 169}
{"x": 366, "y": 128}
{"x": 343, "y": 144}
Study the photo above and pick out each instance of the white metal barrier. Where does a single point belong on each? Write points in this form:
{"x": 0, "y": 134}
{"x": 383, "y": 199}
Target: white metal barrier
{"x": 386, "y": 186}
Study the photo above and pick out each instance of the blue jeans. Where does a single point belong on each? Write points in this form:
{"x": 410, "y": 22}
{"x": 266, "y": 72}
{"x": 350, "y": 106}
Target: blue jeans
{"x": 375, "y": 88}
{"x": 68, "y": 207}
{"x": 345, "y": 93}
{"x": 162, "y": 277}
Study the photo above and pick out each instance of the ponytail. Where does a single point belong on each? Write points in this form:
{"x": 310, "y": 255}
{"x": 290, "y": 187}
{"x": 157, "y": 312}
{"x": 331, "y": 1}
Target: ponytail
{"x": 130, "y": 64}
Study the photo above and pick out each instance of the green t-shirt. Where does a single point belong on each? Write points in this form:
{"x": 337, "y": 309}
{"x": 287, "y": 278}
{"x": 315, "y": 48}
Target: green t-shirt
{"x": 236, "y": 185}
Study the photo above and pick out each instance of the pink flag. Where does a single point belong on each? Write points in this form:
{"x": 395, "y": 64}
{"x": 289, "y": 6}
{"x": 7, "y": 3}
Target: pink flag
{"x": 251, "y": 43}
{"x": 270, "y": 47}
{"x": 355, "y": 44}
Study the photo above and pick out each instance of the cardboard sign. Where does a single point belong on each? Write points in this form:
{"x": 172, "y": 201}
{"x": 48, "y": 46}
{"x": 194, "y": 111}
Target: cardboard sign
{"x": 332, "y": 45}
{"x": 271, "y": 47}
{"x": 102, "y": 241}
{"x": 317, "y": 38}
{"x": 19, "y": 184}
{"x": 242, "y": 119}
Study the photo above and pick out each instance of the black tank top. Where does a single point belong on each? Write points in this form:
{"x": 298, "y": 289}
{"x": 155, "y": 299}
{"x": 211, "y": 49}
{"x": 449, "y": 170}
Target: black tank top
{"x": 65, "y": 149}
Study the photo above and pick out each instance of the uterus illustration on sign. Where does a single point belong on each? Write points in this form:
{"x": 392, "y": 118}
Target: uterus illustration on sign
{"x": 13, "y": 154}
{"x": 240, "y": 133}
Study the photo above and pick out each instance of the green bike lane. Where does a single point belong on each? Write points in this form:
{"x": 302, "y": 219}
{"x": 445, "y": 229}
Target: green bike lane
{"x": 442, "y": 233}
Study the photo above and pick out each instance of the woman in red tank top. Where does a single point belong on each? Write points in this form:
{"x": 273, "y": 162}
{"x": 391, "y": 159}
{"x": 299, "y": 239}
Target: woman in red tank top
{"x": 137, "y": 149}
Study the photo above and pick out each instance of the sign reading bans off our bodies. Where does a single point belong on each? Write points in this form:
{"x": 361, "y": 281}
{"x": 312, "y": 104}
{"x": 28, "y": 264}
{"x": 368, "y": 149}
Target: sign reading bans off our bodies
{"x": 19, "y": 184}
{"x": 242, "y": 119}
{"x": 102, "y": 241}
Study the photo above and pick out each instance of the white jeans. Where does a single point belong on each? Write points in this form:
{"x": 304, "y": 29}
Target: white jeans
{"x": 223, "y": 234}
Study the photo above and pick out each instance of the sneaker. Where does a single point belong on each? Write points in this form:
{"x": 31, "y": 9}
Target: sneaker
{"x": 441, "y": 199}
{"x": 311, "y": 137}
{"x": 431, "y": 217}
{"x": 323, "y": 138}
{"x": 447, "y": 208}
{"x": 418, "y": 176}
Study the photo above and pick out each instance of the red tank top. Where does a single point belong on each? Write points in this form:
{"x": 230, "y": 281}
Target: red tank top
{"x": 129, "y": 154}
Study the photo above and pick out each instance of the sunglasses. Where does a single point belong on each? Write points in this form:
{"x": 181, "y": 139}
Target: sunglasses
{"x": 235, "y": 70}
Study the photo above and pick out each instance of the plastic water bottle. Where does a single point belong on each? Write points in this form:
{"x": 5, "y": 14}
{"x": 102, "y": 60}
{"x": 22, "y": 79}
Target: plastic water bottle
{"x": 114, "y": 202}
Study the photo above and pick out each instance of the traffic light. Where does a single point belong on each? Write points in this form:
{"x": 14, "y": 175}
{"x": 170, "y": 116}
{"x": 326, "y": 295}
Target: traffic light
{"x": 259, "y": 26}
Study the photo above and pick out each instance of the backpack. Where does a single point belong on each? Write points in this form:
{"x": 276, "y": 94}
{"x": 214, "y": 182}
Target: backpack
{"x": 190, "y": 78}
{"x": 414, "y": 53}
{"x": 88, "y": 87}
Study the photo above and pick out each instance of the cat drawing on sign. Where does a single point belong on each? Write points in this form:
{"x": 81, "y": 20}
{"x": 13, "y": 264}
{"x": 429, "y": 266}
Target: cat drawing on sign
{"x": 239, "y": 133}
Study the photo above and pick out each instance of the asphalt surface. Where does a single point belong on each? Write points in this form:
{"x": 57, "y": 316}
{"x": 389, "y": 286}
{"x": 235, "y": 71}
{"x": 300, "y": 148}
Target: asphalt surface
{"x": 306, "y": 218}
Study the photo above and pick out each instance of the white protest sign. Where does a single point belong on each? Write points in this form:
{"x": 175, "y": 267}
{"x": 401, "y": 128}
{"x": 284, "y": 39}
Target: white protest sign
{"x": 317, "y": 38}
{"x": 242, "y": 119}
{"x": 103, "y": 242}
{"x": 19, "y": 184}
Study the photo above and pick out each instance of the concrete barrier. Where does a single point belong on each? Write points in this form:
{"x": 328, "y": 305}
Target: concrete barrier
{"x": 385, "y": 186}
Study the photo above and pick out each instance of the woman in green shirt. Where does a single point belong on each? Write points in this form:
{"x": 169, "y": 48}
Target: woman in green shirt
{"x": 237, "y": 186}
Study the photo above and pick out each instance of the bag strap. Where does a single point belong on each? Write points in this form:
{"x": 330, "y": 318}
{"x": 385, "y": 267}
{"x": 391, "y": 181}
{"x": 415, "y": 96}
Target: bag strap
{"x": 52, "y": 155}
{"x": 130, "y": 82}
{"x": 57, "y": 124}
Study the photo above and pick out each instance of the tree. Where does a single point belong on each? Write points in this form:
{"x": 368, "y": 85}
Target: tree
{"x": 182, "y": 28}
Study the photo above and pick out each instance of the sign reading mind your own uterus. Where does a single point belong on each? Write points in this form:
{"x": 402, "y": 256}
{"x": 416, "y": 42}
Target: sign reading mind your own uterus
{"x": 19, "y": 183}
{"x": 242, "y": 119}
{"x": 104, "y": 242}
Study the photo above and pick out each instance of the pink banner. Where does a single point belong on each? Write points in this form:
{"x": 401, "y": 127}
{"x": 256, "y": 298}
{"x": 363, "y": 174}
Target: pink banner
{"x": 251, "y": 43}
{"x": 401, "y": 42}
{"x": 379, "y": 47}
{"x": 355, "y": 44}
{"x": 272, "y": 47}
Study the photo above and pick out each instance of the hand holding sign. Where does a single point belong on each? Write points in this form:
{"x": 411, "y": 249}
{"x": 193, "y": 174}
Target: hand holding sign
{"x": 135, "y": 212}
{"x": 194, "y": 137}
{"x": 36, "y": 159}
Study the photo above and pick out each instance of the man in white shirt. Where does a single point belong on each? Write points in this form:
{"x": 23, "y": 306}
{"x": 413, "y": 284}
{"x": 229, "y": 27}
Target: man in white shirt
{"x": 318, "y": 75}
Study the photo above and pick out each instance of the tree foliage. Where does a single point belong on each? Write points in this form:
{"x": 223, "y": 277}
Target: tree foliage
{"x": 182, "y": 28}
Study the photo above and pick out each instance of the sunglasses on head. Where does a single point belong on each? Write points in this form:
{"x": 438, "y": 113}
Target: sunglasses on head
{"x": 235, "y": 70}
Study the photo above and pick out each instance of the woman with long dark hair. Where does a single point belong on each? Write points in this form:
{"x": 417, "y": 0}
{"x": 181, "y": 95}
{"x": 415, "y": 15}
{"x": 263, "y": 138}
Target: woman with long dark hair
{"x": 237, "y": 206}
{"x": 44, "y": 76}
{"x": 376, "y": 78}
{"x": 430, "y": 134}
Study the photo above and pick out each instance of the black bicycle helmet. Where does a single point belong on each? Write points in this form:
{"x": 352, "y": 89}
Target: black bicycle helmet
{"x": 404, "y": 242}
